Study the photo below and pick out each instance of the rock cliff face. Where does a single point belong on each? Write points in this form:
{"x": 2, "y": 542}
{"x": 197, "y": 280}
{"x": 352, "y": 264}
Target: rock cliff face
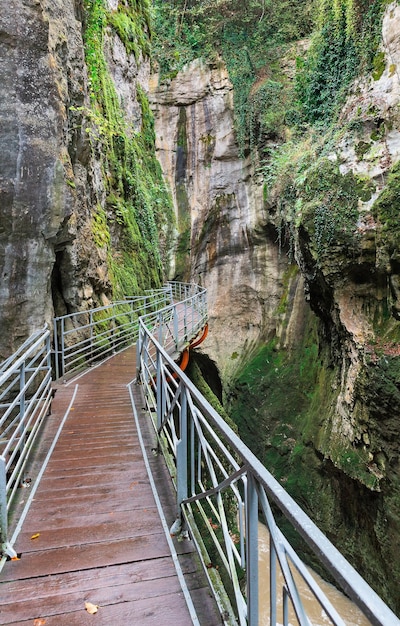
{"x": 224, "y": 241}
{"x": 39, "y": 71}
{"x": 64, "y": 205}
{"x": 308, "y": 350}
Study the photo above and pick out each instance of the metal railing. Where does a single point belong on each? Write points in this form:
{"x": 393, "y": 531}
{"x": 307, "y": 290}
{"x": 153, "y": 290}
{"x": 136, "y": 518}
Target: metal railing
{"x": 174, "y": 325}
{"x": 25, "y": 400}
{"x": 86, "y": 337}
{"x": 80, "y": 340}
{"x": 223, "y": 491}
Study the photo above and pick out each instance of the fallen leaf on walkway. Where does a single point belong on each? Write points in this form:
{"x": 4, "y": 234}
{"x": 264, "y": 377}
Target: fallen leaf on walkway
{"x": 35, "y": 536}
{"x": 39, "y": 622}
{"x": 91, "y": 608}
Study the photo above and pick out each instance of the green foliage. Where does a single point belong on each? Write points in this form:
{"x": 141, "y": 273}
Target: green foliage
{"x": 101, "y": 233}
{"x": 345, "y": 45}
{"x": 138, "y": 207}
{"x": 251, "y": 37}
{"x": 313, "y": 194}
{"x": 132, "y": 28}
{"x": 329, "y": 205}
{"x": 386, "y": 210}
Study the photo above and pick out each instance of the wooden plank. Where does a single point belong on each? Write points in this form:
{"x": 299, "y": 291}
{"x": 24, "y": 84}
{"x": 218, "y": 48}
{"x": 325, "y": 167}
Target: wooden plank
{"x": 87, "y": 580}
{"x": 163, "y": 610}
{"x": 59, "y": 603}
{"x": 87, "y": 532}
{"x": 100, "y": 538}
{"x": 87, "y": 556}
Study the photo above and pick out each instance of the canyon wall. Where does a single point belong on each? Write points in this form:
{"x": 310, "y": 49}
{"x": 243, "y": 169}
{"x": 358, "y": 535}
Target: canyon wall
{"x": 76, "y": 227}
{"x": 224, "y": 241}
{"x": 303, "y": 287}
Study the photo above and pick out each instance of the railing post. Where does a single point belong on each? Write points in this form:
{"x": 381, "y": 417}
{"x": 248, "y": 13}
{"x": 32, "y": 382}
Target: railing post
{"x": 160, "y": 392}
{"x": 185, "y": 322}
{"x": 176, "y": 327}
{"x": 62, "y": 348}
{"x": 21, "y": 416}
{"x": 272, "y": 582}
{"x": 56, "y": 350}
{"x": 160, "y": 328}
{"x": 3, "y": 501}
{"x": 182, "y": 453}
{"x": 252, "y": 551}
{"x": 138, "y": 352}
{"x": 91, "y": 335}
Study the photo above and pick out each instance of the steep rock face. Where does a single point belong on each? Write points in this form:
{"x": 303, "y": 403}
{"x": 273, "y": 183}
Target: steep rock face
{"x": 319, "y": 402}
{"x": 35, "y": 199}
{"x": 55, "y": 239}
{"x": 329, "y": 408}
{"x": 222, "y": 243}
{"x": 45, "y": 155}
{"x": 353, "y": 287}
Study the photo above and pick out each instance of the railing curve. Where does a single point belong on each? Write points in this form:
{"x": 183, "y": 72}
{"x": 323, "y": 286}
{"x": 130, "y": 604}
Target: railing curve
{"x": 80, "y": 340}
{"x": 223, "y": 491}
{"x": 85, "y": 337}
{"x": 25, "y": 400}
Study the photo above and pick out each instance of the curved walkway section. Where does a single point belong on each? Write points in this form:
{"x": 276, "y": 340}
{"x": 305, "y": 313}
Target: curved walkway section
{"x": 92, "y": 540}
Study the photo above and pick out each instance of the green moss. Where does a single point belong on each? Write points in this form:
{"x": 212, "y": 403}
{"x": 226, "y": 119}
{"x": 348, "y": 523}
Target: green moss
{"x": 256, "y": 399}
{"x": 290, "y": 273}
{"x": 132, "y": 27}
{"x": 139, "y": 209}
{"x": 329, "y": 206}
{"x": 101, "y": 233}
{"x": 364, "y": 187}
{"x": 361, "y": 149}
{"x": 386, "y": 209}
{"x": 379, "y": 64}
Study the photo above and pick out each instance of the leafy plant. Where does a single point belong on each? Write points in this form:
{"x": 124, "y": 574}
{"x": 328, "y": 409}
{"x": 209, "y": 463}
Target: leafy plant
{"x": 345, "y": 45}
{"x": 137, "y": 218}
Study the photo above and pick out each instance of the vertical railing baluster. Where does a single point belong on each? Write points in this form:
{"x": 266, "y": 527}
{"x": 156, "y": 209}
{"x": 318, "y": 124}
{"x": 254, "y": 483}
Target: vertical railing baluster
{"x": 22, "y": 405}
{"x": 91, "y": 335}
{"x": 176, "y": 328}
{"x": 139, "y": 354}
{"x": 182, "y": 452}
{"x": 285, "y": 607}
{"x": 160, "y": 392}
{"x": 252, "y": 551}
{"x": 272, "y": 581}
{"x": 160, "y": 328}
{"x": 62, "y": 348}
{"x": 3, "y": 501}
{"x": 56, "y": 349}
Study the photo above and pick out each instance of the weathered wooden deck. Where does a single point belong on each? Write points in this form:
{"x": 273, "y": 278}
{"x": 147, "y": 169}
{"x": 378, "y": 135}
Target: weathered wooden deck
{"x": 93, "y": 532}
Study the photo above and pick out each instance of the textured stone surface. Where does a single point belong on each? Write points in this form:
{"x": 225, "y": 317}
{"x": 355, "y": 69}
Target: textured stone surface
{"x": 33, "y": 202}
{"x": 52, "y": 172}
{"x": 232, "y": 253}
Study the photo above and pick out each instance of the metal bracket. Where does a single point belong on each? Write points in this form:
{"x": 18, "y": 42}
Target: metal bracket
{"x": 9, "y": 551}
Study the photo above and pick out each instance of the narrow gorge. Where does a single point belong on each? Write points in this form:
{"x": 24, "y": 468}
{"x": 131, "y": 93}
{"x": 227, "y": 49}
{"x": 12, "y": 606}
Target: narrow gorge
{"x": 255, "y": 152}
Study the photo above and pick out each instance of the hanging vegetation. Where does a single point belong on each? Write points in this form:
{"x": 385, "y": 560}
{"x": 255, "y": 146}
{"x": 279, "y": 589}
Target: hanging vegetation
{"x": 138, "y": 208}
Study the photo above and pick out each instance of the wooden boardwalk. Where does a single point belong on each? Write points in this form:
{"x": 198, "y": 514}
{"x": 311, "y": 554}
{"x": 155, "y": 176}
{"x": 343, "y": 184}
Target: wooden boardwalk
{"x": 93, "y": 533}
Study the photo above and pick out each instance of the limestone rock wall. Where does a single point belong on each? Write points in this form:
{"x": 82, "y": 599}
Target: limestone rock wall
{"x": 44, "y": 167}
{"x": 54, "y": 249}
{"x": 223, "y": 242}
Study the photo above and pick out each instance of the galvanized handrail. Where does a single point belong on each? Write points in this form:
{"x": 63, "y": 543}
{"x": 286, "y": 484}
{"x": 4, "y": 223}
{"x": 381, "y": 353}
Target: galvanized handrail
{"x": 223, "y": 491}
{"x": 80, "y": 339}
{"x": 86, "y": 337}
{"x": 25, "y": 399}
{"x": 174, "y": 325}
